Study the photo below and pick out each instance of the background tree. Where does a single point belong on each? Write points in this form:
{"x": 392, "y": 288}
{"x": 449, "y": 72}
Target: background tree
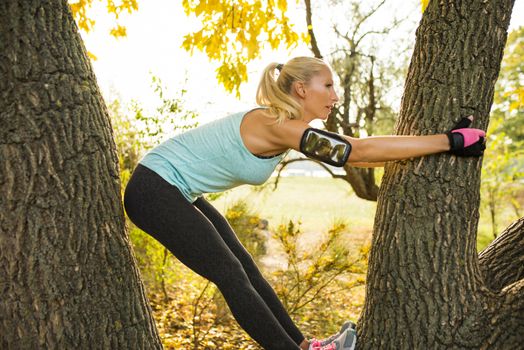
{"x": 503, "y": 164}
{"x": 69, "y": 279}
{"x": 425, "y": 286}
{"x": 509, "y": 92}
{"x": 365, "y": 81}
{"x": 501, "y": 172}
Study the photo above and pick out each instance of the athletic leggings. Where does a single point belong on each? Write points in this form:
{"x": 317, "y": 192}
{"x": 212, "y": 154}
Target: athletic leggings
{"x": 202, "y": 239}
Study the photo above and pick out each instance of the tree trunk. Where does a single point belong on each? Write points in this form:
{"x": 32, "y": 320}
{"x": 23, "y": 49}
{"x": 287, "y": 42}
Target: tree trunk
{"x": 362, "y": 181}
{"x": 67, "y": 274}
{"x": 425, "y": 289}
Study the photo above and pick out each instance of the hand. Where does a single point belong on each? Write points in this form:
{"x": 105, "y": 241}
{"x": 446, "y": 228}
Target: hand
{"x": 466, "y": 142}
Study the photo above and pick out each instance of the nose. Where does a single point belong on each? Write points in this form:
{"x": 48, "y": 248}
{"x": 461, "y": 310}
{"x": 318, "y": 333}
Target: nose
{"x": 334, "y": 96}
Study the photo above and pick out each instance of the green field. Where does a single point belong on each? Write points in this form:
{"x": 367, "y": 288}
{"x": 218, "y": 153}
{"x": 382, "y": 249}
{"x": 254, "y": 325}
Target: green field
{"x": 318, "y": 202}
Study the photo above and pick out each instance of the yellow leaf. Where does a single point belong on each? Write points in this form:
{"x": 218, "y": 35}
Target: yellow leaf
{"x": 236, "y": 31}
{"x": 91, "y": 56}
{"x": 119, "y": 31}
{"x": 424, "y": 5}
{"x": 282, "y": 5}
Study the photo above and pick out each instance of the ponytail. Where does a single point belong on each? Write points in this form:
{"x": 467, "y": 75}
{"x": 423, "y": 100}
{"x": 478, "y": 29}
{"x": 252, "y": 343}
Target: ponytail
{"x": 275, "y": 91}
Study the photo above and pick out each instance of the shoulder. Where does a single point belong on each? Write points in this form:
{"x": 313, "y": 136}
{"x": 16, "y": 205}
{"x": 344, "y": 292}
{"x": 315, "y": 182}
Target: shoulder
{"x": 260, "y": 113}
{"x": 283, "y": 129}
{"x": 289, "y": 132}
{"x": 282, "y": 135}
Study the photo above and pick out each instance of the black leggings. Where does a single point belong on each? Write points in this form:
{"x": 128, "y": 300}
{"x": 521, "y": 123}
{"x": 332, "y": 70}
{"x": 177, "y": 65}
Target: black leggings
{"x": 202, "y": 239}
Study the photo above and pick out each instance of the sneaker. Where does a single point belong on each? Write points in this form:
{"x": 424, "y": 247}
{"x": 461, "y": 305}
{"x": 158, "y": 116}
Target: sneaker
{"x": 345, "y": 326}
{"x": 346, "y": 341}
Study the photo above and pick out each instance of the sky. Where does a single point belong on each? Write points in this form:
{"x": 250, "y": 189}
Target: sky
{"x": 153, "y": 46}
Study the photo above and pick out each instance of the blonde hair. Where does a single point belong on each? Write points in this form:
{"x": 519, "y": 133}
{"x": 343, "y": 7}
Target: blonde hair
{"x": 275, "y": 92}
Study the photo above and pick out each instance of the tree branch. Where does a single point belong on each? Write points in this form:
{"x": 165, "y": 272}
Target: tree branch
{"x": 287, "y": 162}
{"x": 365, "y": 18}
{"x": 314, "y": 45}
{"x": 507, "y": 319}
{"x": 502, "y": 262}
{"x": 362, "y": 181}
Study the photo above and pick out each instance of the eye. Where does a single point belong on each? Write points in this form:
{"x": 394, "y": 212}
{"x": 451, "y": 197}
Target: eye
{"x": 329, "y": 85}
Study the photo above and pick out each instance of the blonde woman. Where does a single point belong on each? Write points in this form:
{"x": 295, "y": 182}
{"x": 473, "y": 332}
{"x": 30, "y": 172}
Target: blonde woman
{"x": 164, "y": 194}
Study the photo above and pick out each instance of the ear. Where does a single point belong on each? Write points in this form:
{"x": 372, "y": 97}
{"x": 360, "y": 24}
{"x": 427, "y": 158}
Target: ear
{"x": 299, "y": 88}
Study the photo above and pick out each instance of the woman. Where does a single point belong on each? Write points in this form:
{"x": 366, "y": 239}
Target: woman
{"x": 164, "y": 194}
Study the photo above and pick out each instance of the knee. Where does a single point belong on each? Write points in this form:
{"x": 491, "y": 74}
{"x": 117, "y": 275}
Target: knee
{"x": 251, "y": 268}
{"x": 232, "y": 274}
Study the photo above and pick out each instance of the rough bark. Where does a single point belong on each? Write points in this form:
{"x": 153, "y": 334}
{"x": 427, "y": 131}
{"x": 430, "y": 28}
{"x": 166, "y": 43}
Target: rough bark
{"x": 425, "y": 288}
{"x": 502, "y": 262}
{"x": 506, "y": 319}
{"x": 68, "y": 278}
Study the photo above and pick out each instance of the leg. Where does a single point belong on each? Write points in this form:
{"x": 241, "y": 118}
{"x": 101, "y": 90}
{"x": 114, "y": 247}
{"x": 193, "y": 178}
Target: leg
{"x": 160, "y": 210}
{"x": 259, "y": 282}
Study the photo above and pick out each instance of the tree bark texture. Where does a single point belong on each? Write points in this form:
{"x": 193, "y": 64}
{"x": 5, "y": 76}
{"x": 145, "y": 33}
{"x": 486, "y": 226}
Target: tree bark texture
{"x": 68, "y": 278}
{"x": 425, "y": 289}
{"x": 502, "y": 262}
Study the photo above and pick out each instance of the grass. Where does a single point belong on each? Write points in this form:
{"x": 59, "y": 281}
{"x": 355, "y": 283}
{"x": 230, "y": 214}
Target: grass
{"x": 485, "y": 232}
{"x": 318, "y": 202}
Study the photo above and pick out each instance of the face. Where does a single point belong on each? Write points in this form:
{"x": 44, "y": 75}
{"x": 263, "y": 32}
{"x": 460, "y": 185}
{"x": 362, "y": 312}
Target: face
{"x": 318, "y": 96}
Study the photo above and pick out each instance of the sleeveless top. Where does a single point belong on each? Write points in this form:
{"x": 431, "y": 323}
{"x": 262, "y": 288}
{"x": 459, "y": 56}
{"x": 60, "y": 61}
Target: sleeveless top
{"x": 209, "y": 158}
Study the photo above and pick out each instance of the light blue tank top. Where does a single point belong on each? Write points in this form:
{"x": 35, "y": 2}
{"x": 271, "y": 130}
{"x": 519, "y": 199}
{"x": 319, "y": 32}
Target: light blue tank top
{"x": 209, "y": 158}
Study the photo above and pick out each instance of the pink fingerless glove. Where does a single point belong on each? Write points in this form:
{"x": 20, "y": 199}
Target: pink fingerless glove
{"x": 470, "y": 135}
{"x": 466, "y": 142}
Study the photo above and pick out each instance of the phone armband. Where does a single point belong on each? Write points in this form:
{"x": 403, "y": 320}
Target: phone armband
{"x": 327, "y": 147}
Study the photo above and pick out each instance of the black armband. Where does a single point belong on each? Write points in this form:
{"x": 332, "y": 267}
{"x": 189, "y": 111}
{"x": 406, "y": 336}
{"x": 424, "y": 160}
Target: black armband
{"x": 328, "y": 147}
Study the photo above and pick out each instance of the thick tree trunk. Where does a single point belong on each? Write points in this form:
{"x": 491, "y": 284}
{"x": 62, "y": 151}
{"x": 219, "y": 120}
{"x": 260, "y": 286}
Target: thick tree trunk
{"x": 67, "y": 274}
{"x": 425, "y": 289}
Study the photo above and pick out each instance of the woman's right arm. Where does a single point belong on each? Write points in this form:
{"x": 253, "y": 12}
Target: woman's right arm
{"x": 378, "y": 149}
{"x": 368, "y": 165}
{"x": 389, "y": 148}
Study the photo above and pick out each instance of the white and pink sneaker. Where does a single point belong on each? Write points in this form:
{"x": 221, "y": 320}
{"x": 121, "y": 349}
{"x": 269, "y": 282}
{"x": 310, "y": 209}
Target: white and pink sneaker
{"x": 346, "y": 339}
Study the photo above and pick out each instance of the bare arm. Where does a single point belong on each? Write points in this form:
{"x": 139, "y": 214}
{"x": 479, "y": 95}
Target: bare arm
{"x": 368, "y": 164}
{"x": 389, "y": 148}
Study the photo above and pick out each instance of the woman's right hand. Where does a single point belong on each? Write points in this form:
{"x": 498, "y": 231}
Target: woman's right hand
{"x": 465, "y": 141}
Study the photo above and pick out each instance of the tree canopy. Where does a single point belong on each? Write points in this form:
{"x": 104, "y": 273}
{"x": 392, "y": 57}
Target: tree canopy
{"x": 235, "y": 32}
{"x": 80, "y": 9}
{"x": 232, "y": 33}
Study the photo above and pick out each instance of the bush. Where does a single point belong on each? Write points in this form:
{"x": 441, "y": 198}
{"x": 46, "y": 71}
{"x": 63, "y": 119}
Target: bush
{"x": 246, "y": 224}
{"x": 316, "y": 283}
